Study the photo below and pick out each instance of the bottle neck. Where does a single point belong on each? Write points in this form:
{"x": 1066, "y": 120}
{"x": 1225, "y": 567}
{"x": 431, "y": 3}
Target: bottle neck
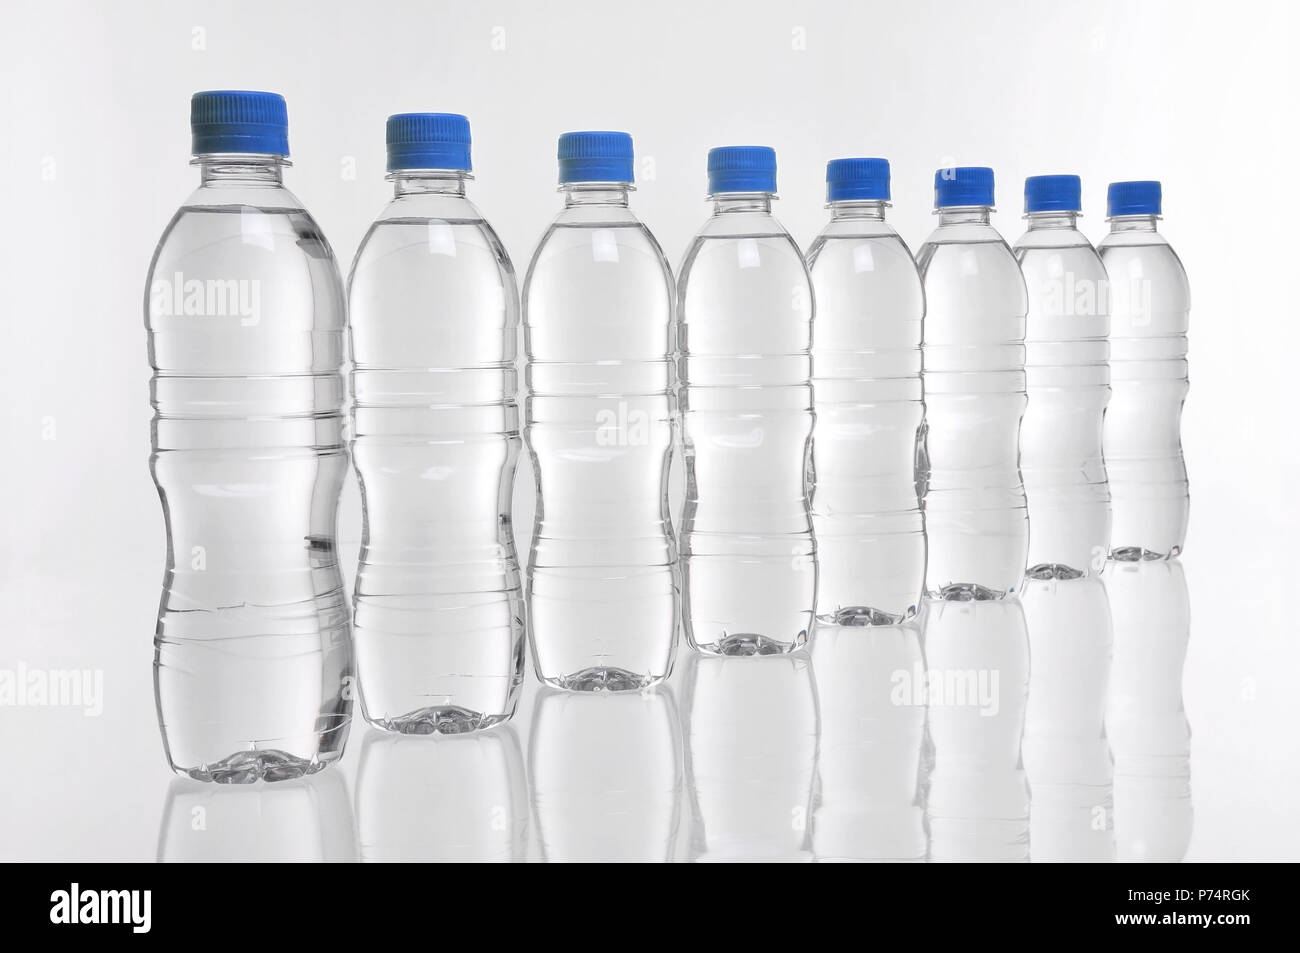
{"x": 241, "y": 169}
{"x": 858, "y": 210}
{"x": 428, "y": 182}
{"x": 1057, "y": 219}
{"x": 965, "y": 215}
{"x": 582, "y": 194}
{"x": 728, "y": 202}
{"x": 1133, "y": 223}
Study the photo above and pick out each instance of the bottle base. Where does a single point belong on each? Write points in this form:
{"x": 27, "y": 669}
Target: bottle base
{"x": 968, "y": 592}
{"x": 602, "y": 680}
{"x": 248, "y": 767}
{"x": 864, "y": 616}
{"x": 742, "y": 644}
{"x": 1053, "y": 571}
{"x": 438, "y": 720}
{"x": 1134, "y": 554}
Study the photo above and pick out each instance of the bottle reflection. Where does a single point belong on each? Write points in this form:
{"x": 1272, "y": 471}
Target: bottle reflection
{"x": 872, "y": 735}
{"x": 303, "y": 820}
{"x": 975, "y": 685}
{"x": 1066, "y": 755}
{"x": 605, "y": 772}
{"x": 457, "y": 798}
{"x": 1149, "y": 733}
{"x": 751, "y": 740}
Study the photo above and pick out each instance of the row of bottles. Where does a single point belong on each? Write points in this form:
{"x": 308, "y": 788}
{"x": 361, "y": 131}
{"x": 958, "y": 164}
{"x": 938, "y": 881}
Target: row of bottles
{"x": 830, "y": 477}
{"x": 905, "y": 743}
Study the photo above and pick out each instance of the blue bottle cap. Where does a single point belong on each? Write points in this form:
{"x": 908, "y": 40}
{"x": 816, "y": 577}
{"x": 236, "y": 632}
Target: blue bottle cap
{"x": 742, "y": 169}
{"x": 428, "y": 141}
{"x": 595, "y": 157}
{"x": 964, "y": 186}
{"x": 239, "y": 120}
{"x": 1133, "y": 198}
{"x": 862, "y": 180}
{"x": 1053, "y": 193}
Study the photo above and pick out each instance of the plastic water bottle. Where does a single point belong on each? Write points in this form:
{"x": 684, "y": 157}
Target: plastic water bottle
{"x": 1150, "y": 736}
{"x": 751, "y": 757}
{"x": 1068, "y": 382}
{"x": 975, "y": 516}
{"x": 1148, "y": 359}
{"x": 434, "y": 321}
{"x": 598, "y": 325}
{"x": 867, "y": 378}
{"x": 746, "y": 307}
{"x": 1066, "y": 754}
{"x": 245, "y": 314}
{"x": 977, "y": 681}
{"x": 869, "y": 804}
{"x": 606, "y": 776}
{"x": 448, "y": 799}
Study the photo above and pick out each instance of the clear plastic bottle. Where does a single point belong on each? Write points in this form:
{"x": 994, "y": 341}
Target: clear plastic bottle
{"x": 869, "y": 804}
{"x": 1067, "y": 757}
{"x": 977, "y": 526}
{"x": 439, "y": 616}
{"x": 1150, "y": 736}
{"x": 749, "y": 562}
{"x": 1150, "y": 299}
{"x": 245, "y": 319}
{"x": 867, "y": 377}
{"x": 598, "y": 324}
{"x": 977, "y": 682}
{"x": 1068, "y": 381}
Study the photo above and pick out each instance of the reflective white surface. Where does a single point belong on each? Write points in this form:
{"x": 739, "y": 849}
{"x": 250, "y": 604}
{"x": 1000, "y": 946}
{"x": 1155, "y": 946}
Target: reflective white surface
{"x": 101, "y": 163}
{"x": 831, "y": 756}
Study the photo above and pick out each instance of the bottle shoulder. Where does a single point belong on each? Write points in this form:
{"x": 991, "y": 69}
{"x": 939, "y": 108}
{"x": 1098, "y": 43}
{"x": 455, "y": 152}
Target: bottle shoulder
{"x": 267, "y": 265}
{"x": 965, "y": 233}
{"x": 399, "y": 247}
{"x": 238, "y": 195}
{"x": 1151, "y": 247}
{"x": 743, "y": 241}
{"x": 203, "y": 227}
{"x": 742, "y": 224}
{"x": 970, "y": 250}
{"x": 955, "y": 274}
{"x": 1049, "y": 261}
{"x": 597, "y": 216}
{"x": 624, "y": 228}
{"x": 1051, "y": 238}
{"x": 602, "y": 255}
{"x": 605, "y": 241}
{"x": 1128, "y": 262}
{"x": 859, "y": 229}
{"x": 431, "y": 205}
{"x": 866, "y": 253}
{"x": 1134, "y": 238}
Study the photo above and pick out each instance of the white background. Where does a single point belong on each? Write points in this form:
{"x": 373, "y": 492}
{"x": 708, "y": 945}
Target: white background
{"x": 94, "y": 146}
